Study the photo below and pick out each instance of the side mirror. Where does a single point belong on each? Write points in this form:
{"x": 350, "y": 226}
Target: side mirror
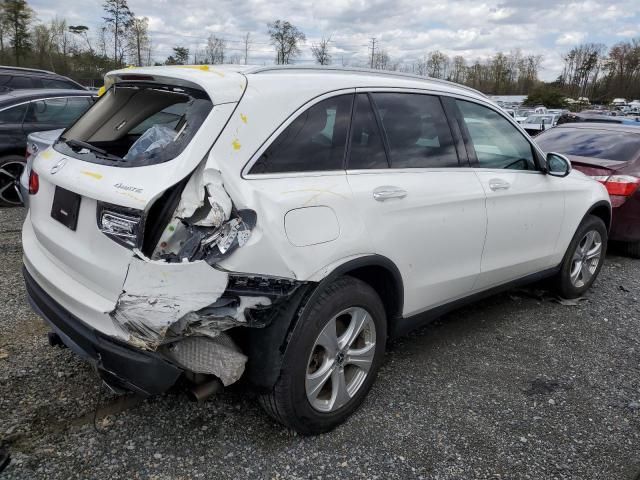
{"x": 558, "y": 165}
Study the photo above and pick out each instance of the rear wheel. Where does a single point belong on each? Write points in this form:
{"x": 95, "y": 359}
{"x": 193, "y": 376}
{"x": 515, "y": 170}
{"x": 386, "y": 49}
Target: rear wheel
{"x": 11, "y": 167}
{"x": 332, "y": 359}
{"x": 584, "y": 258}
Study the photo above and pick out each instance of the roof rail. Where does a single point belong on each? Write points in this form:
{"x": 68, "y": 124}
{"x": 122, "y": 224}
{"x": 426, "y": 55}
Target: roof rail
{"x": 23, "y": 69}
{"x": 370, "y": 71}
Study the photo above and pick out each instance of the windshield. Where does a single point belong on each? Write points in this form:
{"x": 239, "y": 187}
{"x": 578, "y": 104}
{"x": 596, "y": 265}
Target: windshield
{"x": 603, "y": 144}
{"x": 134, "y": 125}
{"x": 523, "y": 113}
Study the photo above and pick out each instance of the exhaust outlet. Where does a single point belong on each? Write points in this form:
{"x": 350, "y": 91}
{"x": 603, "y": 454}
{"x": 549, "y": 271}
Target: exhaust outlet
{"x": 201, "y": 392}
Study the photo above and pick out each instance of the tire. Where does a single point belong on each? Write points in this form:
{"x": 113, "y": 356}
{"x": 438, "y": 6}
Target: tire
{"x": 299, "y": 400}
{"x": 11, "y": 167}
{"x": 592, "y": 236}
{"x": 632, "y": 249}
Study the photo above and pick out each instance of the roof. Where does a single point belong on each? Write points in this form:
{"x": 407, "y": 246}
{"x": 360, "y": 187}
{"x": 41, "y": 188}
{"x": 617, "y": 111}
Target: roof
{"x": 17, "y": 96}
{"x": 602, "y": 126}
{"x": 226, "y": 83}
{"x": 8, "y": 69}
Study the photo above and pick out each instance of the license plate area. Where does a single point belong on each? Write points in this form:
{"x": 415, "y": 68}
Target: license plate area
{"x": 65, "y": 207}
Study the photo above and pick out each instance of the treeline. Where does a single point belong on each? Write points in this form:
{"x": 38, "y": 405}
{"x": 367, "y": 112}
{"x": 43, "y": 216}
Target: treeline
{"x": 600, "y": 73}
{"x": 590, "y": 70}
{"x": 74, "y": 50}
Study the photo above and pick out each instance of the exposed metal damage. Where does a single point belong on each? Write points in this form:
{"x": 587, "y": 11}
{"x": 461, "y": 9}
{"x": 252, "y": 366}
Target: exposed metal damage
{"x": 179, "y": 303}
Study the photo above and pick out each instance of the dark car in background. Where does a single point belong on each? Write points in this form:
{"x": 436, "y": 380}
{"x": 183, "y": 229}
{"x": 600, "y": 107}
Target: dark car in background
{"x": 16, "y": 78}
{"x": 609, "y": 153}
{"x": 587, "y": 117}
{"x": 23, "y": 112}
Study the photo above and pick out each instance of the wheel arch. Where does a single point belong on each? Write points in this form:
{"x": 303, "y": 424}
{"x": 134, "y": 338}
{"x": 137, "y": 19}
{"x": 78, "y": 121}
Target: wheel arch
{"x": 602, "y": 210}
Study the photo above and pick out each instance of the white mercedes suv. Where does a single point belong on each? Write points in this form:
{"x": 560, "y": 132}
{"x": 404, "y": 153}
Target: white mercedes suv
{"x": 279, "y": 224}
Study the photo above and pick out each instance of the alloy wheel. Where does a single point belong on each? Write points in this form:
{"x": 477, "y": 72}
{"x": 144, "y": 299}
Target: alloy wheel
{"x": 10, "y": 182}
{"x": 586, "y": 258}
{"x": 340, "y": 359}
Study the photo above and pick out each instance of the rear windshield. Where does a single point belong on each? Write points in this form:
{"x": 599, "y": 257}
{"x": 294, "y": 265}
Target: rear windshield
{"x": 603, "y": 144}
{"x": 134, "y": 125}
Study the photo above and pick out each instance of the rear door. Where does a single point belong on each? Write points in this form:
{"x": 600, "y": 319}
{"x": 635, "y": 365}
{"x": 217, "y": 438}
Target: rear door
{"x": 422, "y": 204}
{"x": 11, "y": 135}
{"x": 525, "y": 207}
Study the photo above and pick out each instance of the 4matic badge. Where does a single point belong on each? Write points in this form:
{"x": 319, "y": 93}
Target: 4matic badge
{"x": 128, "y": 188}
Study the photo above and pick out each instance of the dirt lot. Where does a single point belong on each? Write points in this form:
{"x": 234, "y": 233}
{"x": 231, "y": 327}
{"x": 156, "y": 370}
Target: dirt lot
{"x": 518, "y": 386}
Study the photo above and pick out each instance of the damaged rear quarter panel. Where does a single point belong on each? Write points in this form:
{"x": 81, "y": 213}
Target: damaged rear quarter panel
{"x": 157, "y": 294}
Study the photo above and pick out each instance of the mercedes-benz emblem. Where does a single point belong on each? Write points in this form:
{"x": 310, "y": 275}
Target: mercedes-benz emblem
{"x": 58, "y": 166}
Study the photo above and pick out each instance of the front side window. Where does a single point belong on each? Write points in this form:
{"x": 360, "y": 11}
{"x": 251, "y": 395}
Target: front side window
{"x": 417, "y": 130}
{"x": 19, "y": 82}
{"x": 367, "y": 146}
{"x": 13, "y": 115}
{"x": 314, "y": 141}
{"x": 60, "y": 112}
{"x": 137, "y": 124}
{"x": 497, "y": 143}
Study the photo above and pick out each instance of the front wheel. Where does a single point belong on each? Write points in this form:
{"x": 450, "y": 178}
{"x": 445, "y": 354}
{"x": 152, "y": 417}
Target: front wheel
{"x": 332, "y": 359}
{"x": 584, "y": 258}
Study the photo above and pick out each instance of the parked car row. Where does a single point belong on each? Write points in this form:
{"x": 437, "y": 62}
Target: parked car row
{"x": 32, "y": 101}
{"x": 279, "y": 224}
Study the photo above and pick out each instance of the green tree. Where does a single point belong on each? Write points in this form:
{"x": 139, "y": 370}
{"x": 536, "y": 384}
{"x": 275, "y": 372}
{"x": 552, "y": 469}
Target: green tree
{"x": 17, "y": 17}
{"x": 550, "y": 97}
{"x": 180, "y": 56}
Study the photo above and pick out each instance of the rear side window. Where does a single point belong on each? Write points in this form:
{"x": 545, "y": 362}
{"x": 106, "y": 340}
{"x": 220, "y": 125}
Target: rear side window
{"x": 55, "y": 83}
{"x": 497, "y": 143}
{"x": 417, "y": 130}
{"x": 314, "y": 141}
{"x": 18, "y": 82}
{"x": 60, "y": 112}
{"x": 604, "y": 144}
{"x": 13, "y": 115}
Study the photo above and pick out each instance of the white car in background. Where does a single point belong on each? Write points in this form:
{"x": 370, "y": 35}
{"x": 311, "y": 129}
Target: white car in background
{"x": 537, "y": 123}
{"x": 279, "y": 224}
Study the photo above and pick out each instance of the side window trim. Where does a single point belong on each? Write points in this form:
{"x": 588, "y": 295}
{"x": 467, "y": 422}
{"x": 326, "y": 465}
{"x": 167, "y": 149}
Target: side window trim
{"x": 453, "y": 119}
{"x": 347, "y": 147}
{"x": 383, "y": 132}
{"x": 473, "y": 158}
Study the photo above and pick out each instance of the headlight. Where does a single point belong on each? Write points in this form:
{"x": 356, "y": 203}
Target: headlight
{"x": 122, "y": 225}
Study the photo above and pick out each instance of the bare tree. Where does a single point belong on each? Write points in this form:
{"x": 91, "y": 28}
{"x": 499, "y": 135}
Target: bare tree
{"x": 320, "y": 51}
{"x": 82, "y": 31}
{"x": 216, "y": 47}
{"x": 285, "y": 38}
{"x": 247, "y": 44}
{"x": 139, "y": 38}
{"x": 118, "y": 19}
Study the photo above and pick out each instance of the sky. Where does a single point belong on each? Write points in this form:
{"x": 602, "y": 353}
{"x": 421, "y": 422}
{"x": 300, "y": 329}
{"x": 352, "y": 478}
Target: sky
{"x": 406, "y": 29}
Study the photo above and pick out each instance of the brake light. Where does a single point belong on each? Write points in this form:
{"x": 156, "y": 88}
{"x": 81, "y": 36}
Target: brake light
{"x": 620, "y": 185}
{"x": 34, "y": 183}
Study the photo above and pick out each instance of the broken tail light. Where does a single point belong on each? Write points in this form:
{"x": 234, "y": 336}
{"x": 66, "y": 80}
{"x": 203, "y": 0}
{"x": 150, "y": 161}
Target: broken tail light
{"x": 620, "y": 187}
{"x": 122, "y": 225}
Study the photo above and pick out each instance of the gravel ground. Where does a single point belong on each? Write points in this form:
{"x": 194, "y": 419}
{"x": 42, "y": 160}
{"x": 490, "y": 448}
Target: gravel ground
{"x": 517, "y": 386}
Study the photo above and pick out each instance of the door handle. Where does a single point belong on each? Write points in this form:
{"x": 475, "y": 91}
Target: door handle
{"x": 498, "y": 184}
{"x": 386, "y": 192}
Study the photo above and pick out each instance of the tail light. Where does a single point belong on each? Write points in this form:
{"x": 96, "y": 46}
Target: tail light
{"x": 34, "y": 183}
{"x": 122, "y": 225}
{"x": 620, "y": 187}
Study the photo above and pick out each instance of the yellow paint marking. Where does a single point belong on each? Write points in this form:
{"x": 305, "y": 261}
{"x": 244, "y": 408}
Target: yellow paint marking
{"x": 236, "y": 144}
{"x": 97, "y": 176}
{"x": 243, "y": 117}
{"x": 101, "y": 91}
{"x": 46, "y": 154}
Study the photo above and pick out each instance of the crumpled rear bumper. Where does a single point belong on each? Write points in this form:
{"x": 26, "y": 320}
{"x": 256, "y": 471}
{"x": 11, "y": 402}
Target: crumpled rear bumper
{"x": 119, "y": 364}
